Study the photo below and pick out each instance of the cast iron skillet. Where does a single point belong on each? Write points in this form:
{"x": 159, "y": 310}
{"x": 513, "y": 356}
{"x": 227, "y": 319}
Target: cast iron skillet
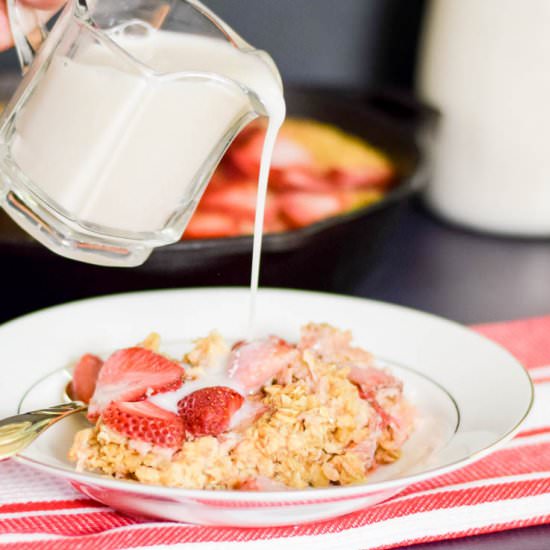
{"x": 324, "y": 256}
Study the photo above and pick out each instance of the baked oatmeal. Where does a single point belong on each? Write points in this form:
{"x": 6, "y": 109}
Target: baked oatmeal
{"x": 261, "y": 415}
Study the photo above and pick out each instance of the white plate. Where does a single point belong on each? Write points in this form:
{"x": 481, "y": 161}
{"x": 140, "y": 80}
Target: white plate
{"x": 471, "y": 395}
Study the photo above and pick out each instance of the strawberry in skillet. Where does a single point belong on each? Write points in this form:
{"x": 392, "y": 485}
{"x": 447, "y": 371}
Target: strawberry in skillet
{"x": 317, "y": 171}
{"x": 146, "y": 422}
{"x": 211, "y": 225}
{"x": 292, "y": 166}
{"x": 131, "y": 375}
{"x": 246, "y": 153}
{"x": 229, "y": 209}
{"x": 312, "y": 156}
{"x": 301, "y": 208}
{"x": 238, "y": 199}
{"x": 377, "y": 175}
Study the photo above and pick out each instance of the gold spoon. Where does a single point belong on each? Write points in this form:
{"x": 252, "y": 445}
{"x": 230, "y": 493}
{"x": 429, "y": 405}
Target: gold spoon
{"x": 19, "y": 431}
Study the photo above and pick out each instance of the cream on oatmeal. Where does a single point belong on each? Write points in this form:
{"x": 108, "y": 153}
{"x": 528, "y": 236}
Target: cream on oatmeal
{"x": 262, "y": 415}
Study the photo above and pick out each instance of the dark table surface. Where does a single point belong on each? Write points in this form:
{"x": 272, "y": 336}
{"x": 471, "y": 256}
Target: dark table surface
{"x": 465, "y": 276}
{"x": 468, "y": 277}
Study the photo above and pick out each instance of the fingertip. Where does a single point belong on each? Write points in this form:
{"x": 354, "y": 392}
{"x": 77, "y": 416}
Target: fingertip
{"x": 5, "y": 33}
{"x": 44, "y": 5}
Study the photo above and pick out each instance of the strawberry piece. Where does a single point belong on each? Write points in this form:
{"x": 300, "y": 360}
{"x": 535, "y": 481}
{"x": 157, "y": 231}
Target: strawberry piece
{"x": 370, "y": 382}
{"x": 85, "y": 375}
{"x": 237, "y": 198}
{"x": 211, "y": 225}
{"x": 272, "y": 225}
{"x": 246, "y": 154}
{"x": 303, "y": 209}
{"x": 208, "y": 411}
{"x": 371, "y": 379}
{"x": 288, "y": 153}
{"x": 130, "y": 375}
{"x": 299, "y": 178}
{"x": 365, "y": 450}
{"x": 254, "y": 364}
{"x": 146, "y": 422}
{"x": 379, "y": 176}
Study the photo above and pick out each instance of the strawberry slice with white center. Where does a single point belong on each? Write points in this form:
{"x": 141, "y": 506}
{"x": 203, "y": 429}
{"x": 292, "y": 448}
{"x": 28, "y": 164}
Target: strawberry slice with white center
{"x": 379, "y": 175}
{"x": 246, "y": 154}
{"x": 300, "y": 178}
{"x": 288, "y": 153}
{"x": 256, "y": 363}
{"x": 85, "y": 375}
{"x": 132, "y": 374}
{"x": 302, "y": 208}
{"x": 146, "y": 422}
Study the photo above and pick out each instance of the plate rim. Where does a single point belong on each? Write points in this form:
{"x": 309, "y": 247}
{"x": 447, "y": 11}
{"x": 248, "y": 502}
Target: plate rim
{"x": 292, "y": 496}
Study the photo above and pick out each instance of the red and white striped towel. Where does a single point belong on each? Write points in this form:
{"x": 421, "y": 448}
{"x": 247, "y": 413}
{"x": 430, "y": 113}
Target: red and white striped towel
{"x": 510, "y": 488}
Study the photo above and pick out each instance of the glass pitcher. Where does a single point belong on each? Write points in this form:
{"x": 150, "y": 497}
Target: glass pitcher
{"x": 124, "y": 112}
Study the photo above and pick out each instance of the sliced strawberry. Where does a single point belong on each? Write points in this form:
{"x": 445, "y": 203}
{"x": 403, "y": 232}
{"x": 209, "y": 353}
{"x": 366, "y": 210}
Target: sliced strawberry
{"x": 272, "y": 225}
{"x": 246, "y": 154}
{"x": 239, "y": 199}
{"x": 303, "y": 209}
{"x": 146, "y": 422}
{"x": 276, "y": 226}
{"x": 235, "y": 198}
{"x": 85, "y": 375}
{"x": 209, "y": 411}
{"x": 299, "y": 178}
{"x": 379, "y": 175}
{"x": 254, "y": 364}
{"x": 211, "y": 225}
{"x": 287, "y": 153}
{"x": 130, "y": 375}
{"x": 220, "y": 178}
{"x": 371, "y": 379}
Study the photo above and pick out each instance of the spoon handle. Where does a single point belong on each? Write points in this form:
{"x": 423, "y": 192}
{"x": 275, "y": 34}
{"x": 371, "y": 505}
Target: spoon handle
{"x": 19, "y": 431}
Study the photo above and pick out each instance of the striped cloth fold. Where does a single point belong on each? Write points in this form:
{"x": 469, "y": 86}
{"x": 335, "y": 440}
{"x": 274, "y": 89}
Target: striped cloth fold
{"x": 506, "y": 490}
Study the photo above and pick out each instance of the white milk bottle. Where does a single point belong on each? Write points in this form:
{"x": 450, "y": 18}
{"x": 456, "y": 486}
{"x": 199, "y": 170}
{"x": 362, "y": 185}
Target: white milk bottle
{"x": 485, "y": 64}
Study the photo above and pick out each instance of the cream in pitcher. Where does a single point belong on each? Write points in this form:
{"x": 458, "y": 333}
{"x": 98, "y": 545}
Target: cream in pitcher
{"x": 107, "y": 149}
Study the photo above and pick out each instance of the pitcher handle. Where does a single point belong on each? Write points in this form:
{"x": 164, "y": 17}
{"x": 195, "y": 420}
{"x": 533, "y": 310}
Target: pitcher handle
{"x": 28, "y": 28}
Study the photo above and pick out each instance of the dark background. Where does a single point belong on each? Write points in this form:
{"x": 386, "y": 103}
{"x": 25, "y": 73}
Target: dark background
{"x": 351, "y": 43}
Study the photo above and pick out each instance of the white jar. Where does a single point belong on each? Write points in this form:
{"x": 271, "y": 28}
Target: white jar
{"x": 486, "y": 65}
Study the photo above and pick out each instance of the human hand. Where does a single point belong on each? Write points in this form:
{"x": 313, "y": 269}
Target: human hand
{"x": 6, "y": 40}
